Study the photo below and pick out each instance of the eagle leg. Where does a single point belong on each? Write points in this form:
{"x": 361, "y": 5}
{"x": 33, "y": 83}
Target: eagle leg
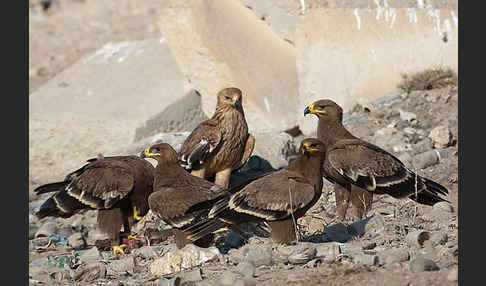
{"x": 362, "y": 200}
{"x": 118, "y": 249}
{"x": 180, "y": 238}
{"x": 342, "y": 201}
{"x": 283, "y": 231}
{"x": 135, "y": 215}
{"x": 223, "y": 177}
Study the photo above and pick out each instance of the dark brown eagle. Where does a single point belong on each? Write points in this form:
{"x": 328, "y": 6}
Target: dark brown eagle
{"x": 220, "y": 144}
{"x": 118, "y": 187}
{"x": 360, "y": 169}
{"x": 179, "y": 198}
{"x": 279, "y": 198}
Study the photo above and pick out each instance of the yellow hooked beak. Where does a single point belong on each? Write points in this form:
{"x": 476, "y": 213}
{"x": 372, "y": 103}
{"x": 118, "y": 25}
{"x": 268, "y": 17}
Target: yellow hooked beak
{"x": 308, "y": 148}
{"x": 148, "y": 154}
{"x": 311, "y": 110}
{"x": 235, "y": 101}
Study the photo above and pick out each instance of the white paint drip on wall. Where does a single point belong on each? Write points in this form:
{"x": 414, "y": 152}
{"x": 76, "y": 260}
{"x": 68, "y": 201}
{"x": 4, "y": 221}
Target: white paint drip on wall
{"x": 267, "y": 104}
{"x": 454, "y": 17}
{"x": 302, "y": 6}
{"x": 447, "y": 25}
{"x": 393, "y": 16}
{"x": 412, "y": 15}
{"x": 373, "y": 55}
{"x": 358, "y": 20}
{"x": 111, "y": 49}
{"x": 379, "y": 10}
{"x": 420, "y": 4}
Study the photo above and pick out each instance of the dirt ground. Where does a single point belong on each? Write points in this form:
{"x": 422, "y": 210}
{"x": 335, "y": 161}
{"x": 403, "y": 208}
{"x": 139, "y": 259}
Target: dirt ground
{"x": 400, "y": 217}
{"x": 69, "y": 29}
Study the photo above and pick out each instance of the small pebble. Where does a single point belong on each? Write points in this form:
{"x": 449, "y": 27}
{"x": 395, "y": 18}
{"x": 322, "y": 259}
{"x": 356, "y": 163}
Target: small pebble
{"x": 369, "y": 245}
{"x": 175, "y": 281}
{"x": 90, "y": 272}
{"x": 327, "y": 251}
{"x": 390, "y": 256}
{"x": 258, "y": 254}
{"x": 420, "y": 264}
{"x": 76, "y": 241}
{"x": 191, "y": 276}
{"x": 426, "y": 159}
{"x": 407, "y": 116}
{"x": 444, "y": 206}
{"x": 121, "y": 266}
{"x": 245, "y": 268}
{"x": 91, "y": 254}
{"x": 366, "y": 259}
{"x": 441, "y": 136}
{"x": 452, "y": 276}
{"x": 46, "y": 229}
{"x": 438, "y": 238}
{"x": 417, "y": 238}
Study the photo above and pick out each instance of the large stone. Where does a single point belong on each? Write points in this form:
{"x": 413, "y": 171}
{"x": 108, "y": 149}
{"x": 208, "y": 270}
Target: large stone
{"x": 90, "y": 272}
{"x": 390, "y": 256}
{"x": 97, "y": 103}
{"x": 126, "y": 264}
{"x": 391, "y": 41}
{"x": 231, "y": 45}
{"x": 420, "y": 264}
{"x": 175, "y": 139}
{"x": 441, "y": 136}
{"x": 90, "y": 255}
{"x": 77, "y": 241}
{"x": 296, "y": 254}
{"x": 181, "y": 259}
{"x": 276, "y": 147}
{"x": 371, "y": 226}
{"x": 181, "y": 116}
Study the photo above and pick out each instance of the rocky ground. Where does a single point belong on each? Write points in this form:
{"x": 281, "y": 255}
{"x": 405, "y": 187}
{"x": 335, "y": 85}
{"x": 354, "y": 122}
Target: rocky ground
{"x": 399, "y": 243}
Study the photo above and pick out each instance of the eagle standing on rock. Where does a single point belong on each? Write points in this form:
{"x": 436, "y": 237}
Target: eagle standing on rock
{"x": 360, "y": 169}
{"x": 118, "y": 187}
{"x": 179, "y": 198}
{"x": 279, "y": 198}
{"x": 220, "y": 144}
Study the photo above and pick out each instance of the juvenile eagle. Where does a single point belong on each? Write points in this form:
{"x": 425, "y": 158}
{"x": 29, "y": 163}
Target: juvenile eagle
{"x": 360, "y": 169}
{"x": 118, "y": 187}
{"x": 278, "y": 198}
{"x": 220, "y": 144}
{"x": 179, "y": 198}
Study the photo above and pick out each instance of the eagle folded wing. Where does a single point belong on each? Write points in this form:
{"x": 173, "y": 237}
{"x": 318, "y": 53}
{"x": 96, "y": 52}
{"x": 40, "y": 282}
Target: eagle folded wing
{"x": 366, "y": 165}
{"x": 184, "y": 205}
{"x": 273, "y": 197}
{"x": 102, "y": 184}
{"x": 202, "y": 141}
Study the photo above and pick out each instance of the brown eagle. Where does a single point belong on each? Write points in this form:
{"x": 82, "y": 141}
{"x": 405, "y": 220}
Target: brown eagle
{"x": 279, "y": 198}
{"x": 118, "y": 187}
{"x": 179, "y": 198}
{"x": 360, "y": 169}
{"x": 220, "y": 144}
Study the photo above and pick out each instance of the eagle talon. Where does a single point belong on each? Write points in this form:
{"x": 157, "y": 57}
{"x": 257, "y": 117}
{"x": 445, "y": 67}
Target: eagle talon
{"x": 133, "y": 237}
{"x": 118, "y": 249}
{"x": 135, "y": 215}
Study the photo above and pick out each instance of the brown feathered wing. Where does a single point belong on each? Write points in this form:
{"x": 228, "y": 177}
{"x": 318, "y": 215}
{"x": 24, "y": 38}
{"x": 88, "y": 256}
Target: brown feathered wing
{"x": 200, "y": 144}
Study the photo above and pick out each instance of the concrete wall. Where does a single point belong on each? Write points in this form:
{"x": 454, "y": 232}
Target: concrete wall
{"x": 356, "y": 55}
